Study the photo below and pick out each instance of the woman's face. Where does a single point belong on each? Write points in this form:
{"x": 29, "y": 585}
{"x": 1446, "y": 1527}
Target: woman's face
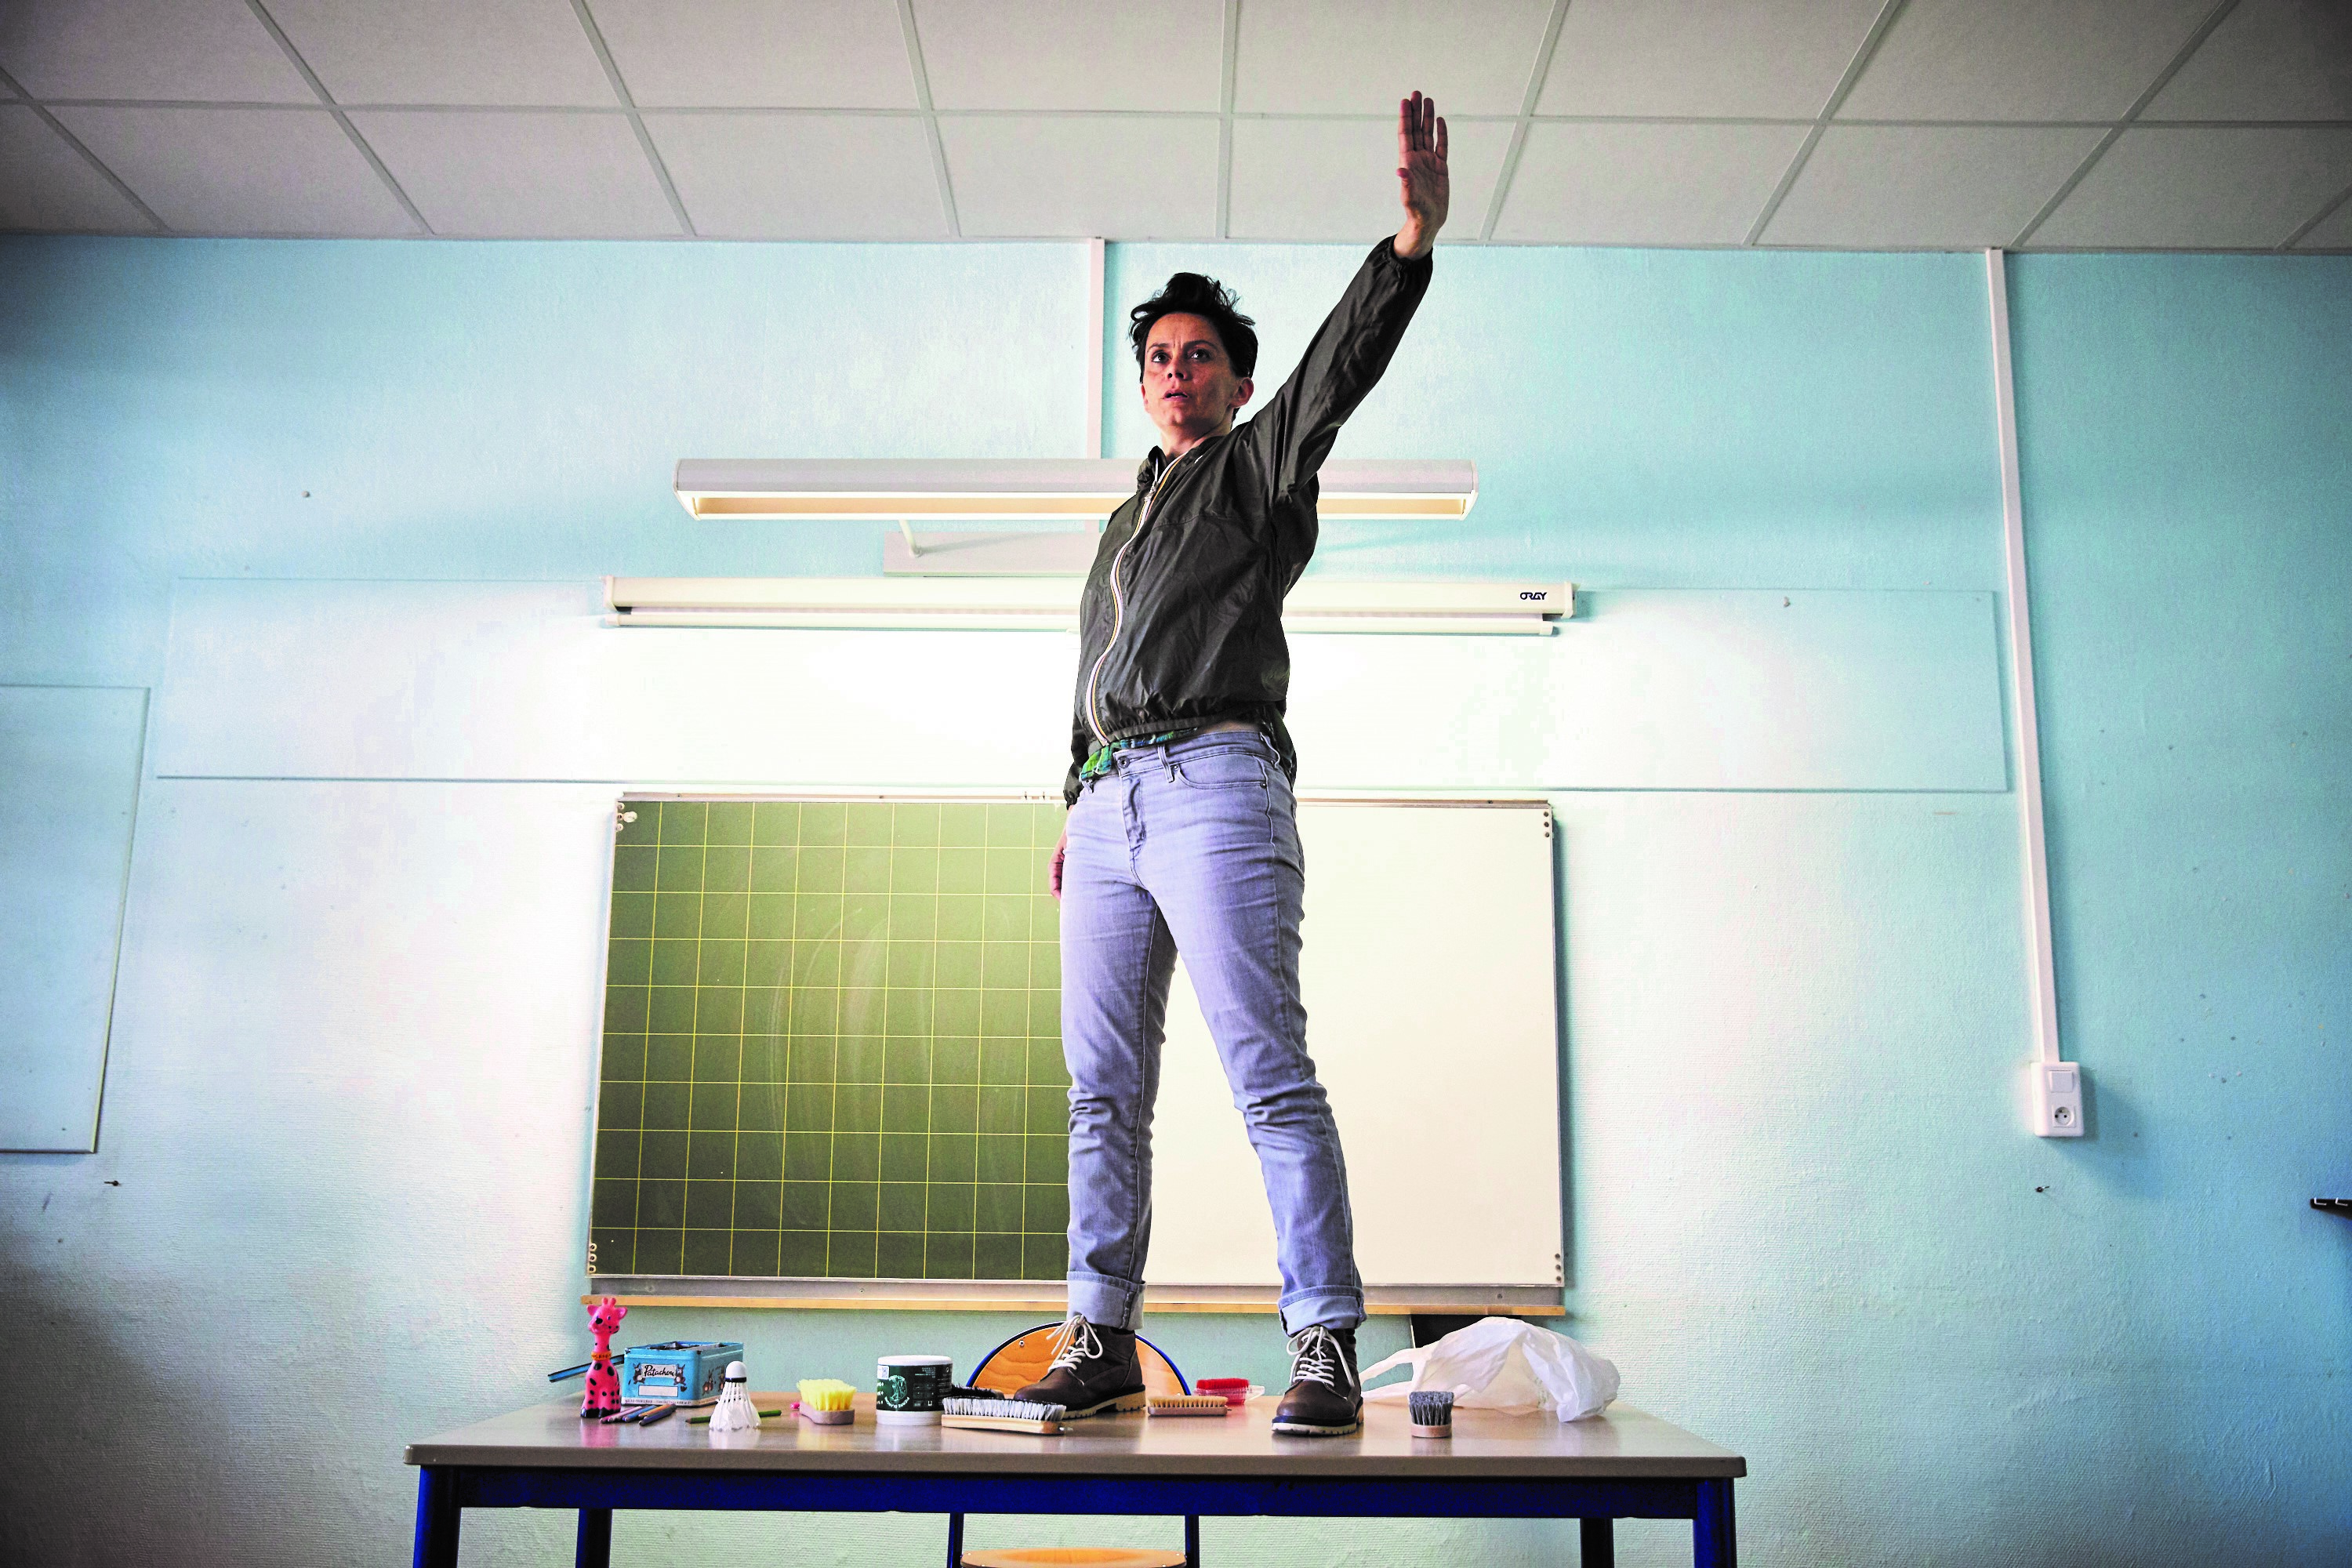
{"x": 1190, "y": 389}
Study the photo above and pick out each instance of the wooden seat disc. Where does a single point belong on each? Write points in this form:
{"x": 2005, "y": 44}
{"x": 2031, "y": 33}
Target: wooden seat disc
{"x": 1059, "y": 1556}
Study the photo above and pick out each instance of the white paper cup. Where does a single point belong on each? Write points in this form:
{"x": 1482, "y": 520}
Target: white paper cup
{"x": 909, "y": 1390}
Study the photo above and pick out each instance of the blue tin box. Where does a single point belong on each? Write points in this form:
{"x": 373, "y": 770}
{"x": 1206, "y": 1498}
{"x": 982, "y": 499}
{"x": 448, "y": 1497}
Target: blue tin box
{"x": 683, "y": 1371}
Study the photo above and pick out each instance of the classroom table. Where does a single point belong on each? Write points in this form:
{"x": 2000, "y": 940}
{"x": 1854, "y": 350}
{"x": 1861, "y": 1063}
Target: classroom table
{"x": 1625, "y": 1464}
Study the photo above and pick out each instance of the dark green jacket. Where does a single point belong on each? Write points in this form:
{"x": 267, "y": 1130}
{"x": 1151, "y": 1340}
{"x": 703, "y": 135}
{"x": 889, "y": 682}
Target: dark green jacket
{"x": 1181, "y": 621}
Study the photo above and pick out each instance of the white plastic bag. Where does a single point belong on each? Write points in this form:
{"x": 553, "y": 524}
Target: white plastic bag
{"x": 1502, "y": 1364}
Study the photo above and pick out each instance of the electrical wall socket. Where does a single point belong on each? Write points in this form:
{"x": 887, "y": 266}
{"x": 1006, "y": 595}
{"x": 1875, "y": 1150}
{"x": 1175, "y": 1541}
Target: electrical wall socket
{"x": 2057, "y": 1100}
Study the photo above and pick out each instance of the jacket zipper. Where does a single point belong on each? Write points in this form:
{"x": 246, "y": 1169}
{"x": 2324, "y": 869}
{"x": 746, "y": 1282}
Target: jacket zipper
{"x": 1119, "y": 603}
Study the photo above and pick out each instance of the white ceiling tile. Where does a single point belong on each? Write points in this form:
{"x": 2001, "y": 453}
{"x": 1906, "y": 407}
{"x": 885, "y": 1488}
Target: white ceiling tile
{"x": 242, "y": 171}
{"x": 1336, "y": 179}
{"x": 1073, "y": 54}
{"x": 447, "y": 51}
{"x": 208, "y": 52}
{"x": 1644, "y": 184}
{"x": 45, "y": 184}
{"x": 2334, "y": 234}
{"x": 2021, "y": 59}
{"x": 514, "y": 173}
{"x": 1119, "y": 177}
{"x": 746, "y": 54}
{"x": 2269, "y": 59}
{"x": 2177, "y": 188}
{"x": 1360, "y": 56}
{"x": 1770, "y": 58}
{"x": 803, "y": 176}
{"x": 1958, "y": 187}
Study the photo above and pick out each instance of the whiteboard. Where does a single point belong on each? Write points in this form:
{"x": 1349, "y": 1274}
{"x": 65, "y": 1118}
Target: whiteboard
{"x": 786, "y": 1105}
{"x": 1429, "y": 981}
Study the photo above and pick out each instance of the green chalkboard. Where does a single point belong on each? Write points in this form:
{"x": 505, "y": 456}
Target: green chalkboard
{"x": 832, "y": 1043}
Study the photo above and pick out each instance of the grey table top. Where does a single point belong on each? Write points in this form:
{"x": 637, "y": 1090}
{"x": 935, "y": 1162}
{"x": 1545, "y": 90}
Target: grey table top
{"x": 1622, "y": 1443}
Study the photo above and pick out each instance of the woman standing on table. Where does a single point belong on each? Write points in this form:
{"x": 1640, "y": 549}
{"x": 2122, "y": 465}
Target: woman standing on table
{"x": 1181, "y": 835}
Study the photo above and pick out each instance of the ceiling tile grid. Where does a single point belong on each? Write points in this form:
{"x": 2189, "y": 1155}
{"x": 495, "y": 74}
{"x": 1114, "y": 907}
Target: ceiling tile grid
{"x": 2021, "y": 59}
{"x": 276, "y": 172}
{"x": 1018, "y": 178}
{"x": 1336, "y": 179}
{"x": 2239, "y": 189}
{"x": 1614, "y": 182}
{"x": 1957, "y": 187}
{"x": 193, "y": 51}
{"x": 759, "y": 54}
{"x": 2333, "y": 232}
{"x": 1318, "y": 56}
{"x": 538, "y": 175}
{"x": 2269, "y": 59}
{"x": 473, "y": 52}
{"x": 1073, "y": 54}
{"x": 1868, "y": 124}
{"x": 802, "y": 177}
{"x": 45, "y": 184}
{"x": 1717, "y": 58}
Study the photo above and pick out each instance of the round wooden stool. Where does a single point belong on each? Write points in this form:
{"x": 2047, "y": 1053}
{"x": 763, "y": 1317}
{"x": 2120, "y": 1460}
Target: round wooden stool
{"x": 1026, "y": 1357}
{"x": 1022, "y": 1359}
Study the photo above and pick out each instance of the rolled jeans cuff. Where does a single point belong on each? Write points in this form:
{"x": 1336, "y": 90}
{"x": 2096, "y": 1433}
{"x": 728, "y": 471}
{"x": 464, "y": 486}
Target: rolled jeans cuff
{"x": 1106, "y": 1302}
{"x": 1337, "y": 1310}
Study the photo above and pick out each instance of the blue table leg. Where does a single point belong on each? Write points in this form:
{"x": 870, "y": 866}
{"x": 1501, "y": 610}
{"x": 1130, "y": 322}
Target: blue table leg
{"x": 1711, "y": 1537}
{"x": 1192, "y": 1540}
{"x": 436, "y": 1517}
{"x": 955, "y": 1540}
{"x": 1599, "y": 1539}
{"x": 595, "y": 1545}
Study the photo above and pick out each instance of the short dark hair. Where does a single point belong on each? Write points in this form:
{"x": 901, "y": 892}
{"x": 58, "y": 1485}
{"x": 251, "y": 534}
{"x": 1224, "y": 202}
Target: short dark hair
{"x": 1190, "y": 294}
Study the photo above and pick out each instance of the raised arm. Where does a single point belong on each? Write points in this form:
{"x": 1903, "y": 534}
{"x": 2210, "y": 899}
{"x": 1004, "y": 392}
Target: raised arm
{"x": 1294, "y": 432}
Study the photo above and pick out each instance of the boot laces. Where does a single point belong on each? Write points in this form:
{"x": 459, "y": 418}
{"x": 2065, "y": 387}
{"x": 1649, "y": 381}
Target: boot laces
{"x": 1315, "y": 1357}
{"x": 1081, "y": 1346}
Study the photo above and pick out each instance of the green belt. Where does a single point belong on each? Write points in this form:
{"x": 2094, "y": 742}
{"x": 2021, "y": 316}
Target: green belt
{"x": 1104, "y": 758}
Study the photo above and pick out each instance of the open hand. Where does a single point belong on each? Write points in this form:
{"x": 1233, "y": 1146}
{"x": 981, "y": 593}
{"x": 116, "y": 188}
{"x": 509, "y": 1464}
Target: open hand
{"x": 1421, "y": 181}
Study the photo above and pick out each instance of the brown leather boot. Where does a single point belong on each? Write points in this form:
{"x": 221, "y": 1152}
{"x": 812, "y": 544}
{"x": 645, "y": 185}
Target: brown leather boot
{"x": 1097, "y": 1373}
{"x": 1326, "y": 1397}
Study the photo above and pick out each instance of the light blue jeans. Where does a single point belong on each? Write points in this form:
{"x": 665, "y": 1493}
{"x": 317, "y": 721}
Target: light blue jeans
{"x": 1192, "y": 846}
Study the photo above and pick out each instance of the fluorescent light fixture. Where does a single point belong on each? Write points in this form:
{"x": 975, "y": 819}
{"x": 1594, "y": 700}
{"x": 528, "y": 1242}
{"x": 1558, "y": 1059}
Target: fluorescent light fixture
{"x": 1051, "y": 604}
{"x": 893, "y": 489}
{"x": 993, "y": 603}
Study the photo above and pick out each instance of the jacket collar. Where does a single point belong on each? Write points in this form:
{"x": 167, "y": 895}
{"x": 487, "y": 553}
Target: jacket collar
{"x": 1148, "y": 473}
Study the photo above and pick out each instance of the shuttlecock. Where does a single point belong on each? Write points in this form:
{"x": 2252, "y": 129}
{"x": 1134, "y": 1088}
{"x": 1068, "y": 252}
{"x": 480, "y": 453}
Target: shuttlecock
{"x": 735, "y": 1411}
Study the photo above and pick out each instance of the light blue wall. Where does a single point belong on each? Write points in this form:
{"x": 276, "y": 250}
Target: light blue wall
{"x": 477, "y": 410}
{"x": 1805, "y": 1218}
{"x": 1651, "y": 418}
{"x": 72, "y": 757}
{"x": 2188, "y": 468}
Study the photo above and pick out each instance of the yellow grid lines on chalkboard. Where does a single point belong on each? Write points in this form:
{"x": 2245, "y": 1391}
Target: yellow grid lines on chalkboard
{"x": 832, "y": 1043}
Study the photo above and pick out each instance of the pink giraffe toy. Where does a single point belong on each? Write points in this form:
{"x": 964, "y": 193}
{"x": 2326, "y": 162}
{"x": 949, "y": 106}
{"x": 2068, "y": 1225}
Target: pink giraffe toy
{"x": 604, "y": 1397}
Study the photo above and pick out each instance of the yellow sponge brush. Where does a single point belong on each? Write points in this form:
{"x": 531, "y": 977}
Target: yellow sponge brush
{"x": 825, "y": 1401}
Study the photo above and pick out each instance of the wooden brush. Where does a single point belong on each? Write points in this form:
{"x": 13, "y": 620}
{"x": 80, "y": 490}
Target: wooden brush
{"x": 825, "y": 1402}
{"x": 1188, "y": 1405}
{"x": 1001, "y": 1415}
{"x": 1432, "y": 1413}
